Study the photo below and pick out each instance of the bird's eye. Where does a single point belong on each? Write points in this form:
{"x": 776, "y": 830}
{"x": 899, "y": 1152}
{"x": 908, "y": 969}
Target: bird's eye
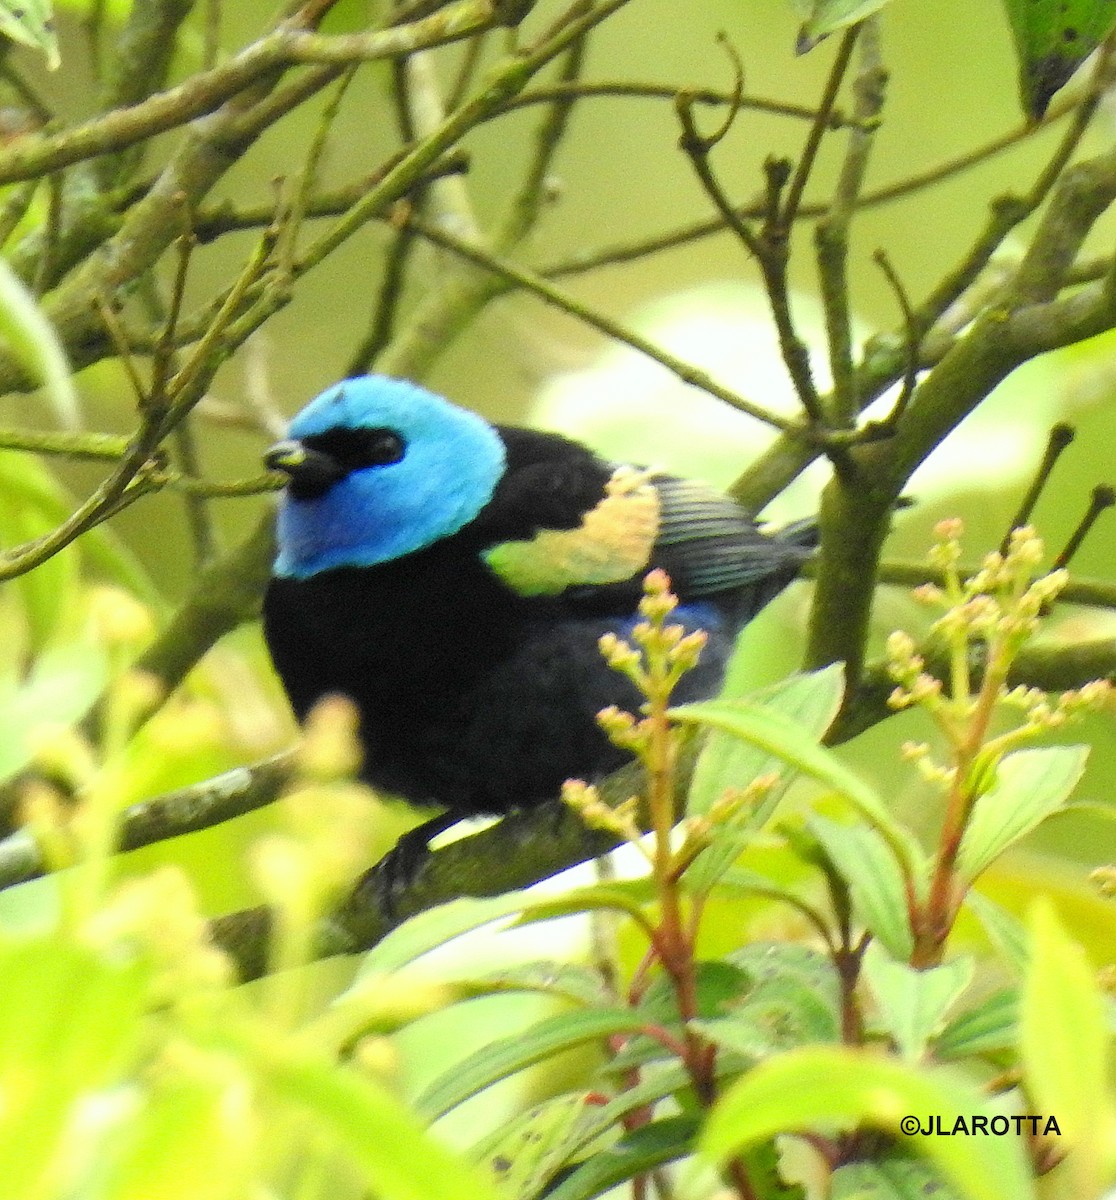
{"x": 352, "y": 449}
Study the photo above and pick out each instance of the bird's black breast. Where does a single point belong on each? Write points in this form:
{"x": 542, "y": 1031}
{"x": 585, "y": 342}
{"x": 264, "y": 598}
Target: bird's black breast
{"x": 417, "y": 643}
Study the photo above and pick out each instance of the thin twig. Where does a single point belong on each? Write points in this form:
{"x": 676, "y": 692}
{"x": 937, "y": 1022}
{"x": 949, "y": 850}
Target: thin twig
{"x": 805, "y": 164}
{"x": 831, "y": 235}
{"x": 771, "y": 257}
{"x": 624, "y": 89}
{"x": 910, "y": 337}
{"x": 531, "y": 282}
{"x": 1061, "y": 436}
{"x": 1103, "y": 497}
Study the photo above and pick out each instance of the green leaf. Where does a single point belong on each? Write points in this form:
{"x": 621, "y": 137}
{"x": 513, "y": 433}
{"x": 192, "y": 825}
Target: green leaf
{"x": 396, "y": 1157}
{"x": 668, "y": 1079}
{"x": 888, "y": 1179}
{"x": 566, "y": 981}
{"x": 50, "y": 591}
{"x": 787, "y": 741}
{"x": 69, "y": 1025}
{"x": 991, "y": 1025}
{"x": 868, "y": 866}
{"x": 1065, "y": 1042}
{"x": 645, "y": 1149}
{"x": 794, "y": 999}
{"x": 913, "y": 1004}
{"x": 823, "y": 17}
{"x": 826, "y": 1085}
{"x": 63, "y": 683}
{"x": 523, "y": 1156}
{"x": 155, "y": 1151}
{"x": 428, "y": 930}
{"x": 28, "y": 482}
{"x": 31, "y": 337}
{"x": 1052, "y": 39}
{"x": 1029, "y": 786}
{"x": 718, "y": 985}
{"x": 620, "y": 895}
{"x": 812, "y": 701}
{"x": 31, "y": 22}
{"x": 506, "y": 1056}
{"x": 1005, "y": 931}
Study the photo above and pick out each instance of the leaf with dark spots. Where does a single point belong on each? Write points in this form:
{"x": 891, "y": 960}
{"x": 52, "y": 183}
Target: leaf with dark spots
{"x": 1052, "y": 39}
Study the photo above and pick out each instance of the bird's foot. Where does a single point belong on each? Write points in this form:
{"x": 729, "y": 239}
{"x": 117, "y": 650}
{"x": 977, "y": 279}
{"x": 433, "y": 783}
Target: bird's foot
{"x": 397, "y": 872}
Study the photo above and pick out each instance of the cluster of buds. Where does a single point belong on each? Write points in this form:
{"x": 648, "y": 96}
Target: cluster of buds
{"x": 1003, "y": 601}
{"x": 932, "y": 771}
{"x": 1042, "y": 714}
{"x": 621, "y": 820}
{"x": 159, "y": 915}
{"x": 666, "y": 651}
{"x": 999, "y": 606}
{"x": 914, "y": 685}
{"x": 329, "y": 818}
{"x": 734, "y": 803}
{"x": 1104, "y": 880}
{"x": 663, "y": 652}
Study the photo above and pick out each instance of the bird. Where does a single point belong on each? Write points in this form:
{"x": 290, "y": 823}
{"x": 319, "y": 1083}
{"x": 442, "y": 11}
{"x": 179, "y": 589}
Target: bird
{"x": 453, "y": 578}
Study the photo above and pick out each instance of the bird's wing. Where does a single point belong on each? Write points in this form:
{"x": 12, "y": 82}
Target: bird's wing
{"x": 613, "y": 540}
{"x": 565, "y": 521}
{"x": 708, "y": 543}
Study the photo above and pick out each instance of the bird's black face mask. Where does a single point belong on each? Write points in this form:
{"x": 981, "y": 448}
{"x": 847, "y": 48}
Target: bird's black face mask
{"x": 310, "y": 473}
{"x": 314, "y": 464}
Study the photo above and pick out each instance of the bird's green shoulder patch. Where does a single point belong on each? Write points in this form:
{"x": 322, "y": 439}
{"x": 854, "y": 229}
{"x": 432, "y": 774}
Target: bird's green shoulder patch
{"x": 612, "y": 543}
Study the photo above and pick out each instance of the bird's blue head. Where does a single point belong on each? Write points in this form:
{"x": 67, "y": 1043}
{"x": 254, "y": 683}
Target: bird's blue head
{"x": 379, "y": 468}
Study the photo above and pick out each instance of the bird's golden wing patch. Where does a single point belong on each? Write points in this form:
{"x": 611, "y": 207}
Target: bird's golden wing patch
{"x": 612, "y": 543}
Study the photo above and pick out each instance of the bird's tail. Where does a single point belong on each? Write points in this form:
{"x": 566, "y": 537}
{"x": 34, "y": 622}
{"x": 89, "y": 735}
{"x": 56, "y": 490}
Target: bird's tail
{"x": 803, "y": 532}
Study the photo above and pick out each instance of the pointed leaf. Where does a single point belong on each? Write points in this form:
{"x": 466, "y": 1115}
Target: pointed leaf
{"x": 812, "y": 701}
{"x": 506, "y": 1056}
{"x": 1052, "y": 39}
{"x": 823, "y": 17}
{"x": 789, "y": 742}
{"x": 1029, "y": 786}
{"x": 397, "y": 1157}
{"x": 1065, "y": 1044}
{"x": 912, "y": 1003}
{"x": 991, "y": 1025}
{"x": 826, "y": 1085}
{"x": 32, "y": 338}
{"x": 523, "y": 1156}
{"x": 878, "y": 890}
{"x": 1005, "y": 931}
{"x": 566, "y": 981}
{"x": 645, "y": 1149}
{"x": 428, "y": 930}
{"x": 32, "y": 23}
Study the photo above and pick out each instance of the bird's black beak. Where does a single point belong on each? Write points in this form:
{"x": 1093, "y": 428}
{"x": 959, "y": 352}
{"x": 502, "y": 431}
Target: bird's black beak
{"x": 311, "y": 473}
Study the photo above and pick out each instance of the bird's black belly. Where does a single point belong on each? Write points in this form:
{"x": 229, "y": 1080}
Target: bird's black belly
{"x": 469, "y": 697}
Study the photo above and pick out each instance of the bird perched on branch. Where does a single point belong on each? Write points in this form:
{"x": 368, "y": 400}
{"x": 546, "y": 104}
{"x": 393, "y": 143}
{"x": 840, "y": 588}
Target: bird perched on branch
{"x": 453, "y": 578}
